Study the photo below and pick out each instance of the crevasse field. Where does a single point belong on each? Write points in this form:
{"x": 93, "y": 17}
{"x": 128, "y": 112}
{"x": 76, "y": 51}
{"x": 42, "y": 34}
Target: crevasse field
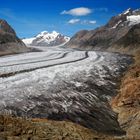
{"x": 60, "y": 84}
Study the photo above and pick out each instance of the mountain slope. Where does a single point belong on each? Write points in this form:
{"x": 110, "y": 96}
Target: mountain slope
{"x": 112, "y": 36}
{"x": 9, "y": 42}
{"x": 121, "y": 34}
{"x": 47, "y": 39}
{"x": 130, "y": 43}
{"x": 127, "y": 102}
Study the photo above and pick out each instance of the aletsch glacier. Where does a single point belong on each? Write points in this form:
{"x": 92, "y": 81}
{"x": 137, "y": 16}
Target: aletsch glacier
{"x": 63, "y": 84}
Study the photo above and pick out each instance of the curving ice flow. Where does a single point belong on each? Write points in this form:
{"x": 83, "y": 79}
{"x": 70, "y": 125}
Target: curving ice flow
{"x": 42, "y": 63}
{"x": 24, "y": 60}
{"x": 62, "y": 84}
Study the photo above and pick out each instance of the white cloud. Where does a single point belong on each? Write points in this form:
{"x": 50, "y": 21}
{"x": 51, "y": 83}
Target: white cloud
{"x": 84, "y": 22}
{"x": 81, "y": 11}
{"x": 88, "y": 22}
{"x": 73, "y": 21}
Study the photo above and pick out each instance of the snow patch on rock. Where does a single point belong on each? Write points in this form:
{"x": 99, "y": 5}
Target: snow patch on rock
{"x": 133, "y": 19}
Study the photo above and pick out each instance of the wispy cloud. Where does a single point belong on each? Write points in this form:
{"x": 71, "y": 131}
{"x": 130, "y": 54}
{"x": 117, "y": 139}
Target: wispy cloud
{"x": 89, "y": 22}
{"x": 73, "y": 21}
{"x": 81, "y": 11}
{"x": 84, "y": 22}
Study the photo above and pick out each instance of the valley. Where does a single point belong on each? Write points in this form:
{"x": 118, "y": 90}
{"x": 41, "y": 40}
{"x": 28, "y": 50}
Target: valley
{"x": 83, "y": 87}
{"x": 63, "y": 84}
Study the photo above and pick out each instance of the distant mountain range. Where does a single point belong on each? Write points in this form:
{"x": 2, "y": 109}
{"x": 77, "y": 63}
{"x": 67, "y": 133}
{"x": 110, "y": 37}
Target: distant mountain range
{"x": 120, "y": 34}
{"x": 9, "y": 42}
{"x": 47, "y": 39}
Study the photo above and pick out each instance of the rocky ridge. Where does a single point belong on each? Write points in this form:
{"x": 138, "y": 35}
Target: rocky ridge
{"x": 127, "y": 102}
{"x": 120, "y": 34}
{"x": 9, "y": 42}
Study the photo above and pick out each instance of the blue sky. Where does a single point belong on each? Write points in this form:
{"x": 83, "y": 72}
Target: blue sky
{"x": 29, "y": 17}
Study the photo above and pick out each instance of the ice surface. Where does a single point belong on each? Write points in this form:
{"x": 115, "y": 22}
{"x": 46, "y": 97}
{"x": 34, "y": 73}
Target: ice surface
{"x": 62, "y": 84}
{"x": 133, "y": 19}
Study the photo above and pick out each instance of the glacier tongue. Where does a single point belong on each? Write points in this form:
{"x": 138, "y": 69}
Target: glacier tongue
{"x": 63, "y": 84}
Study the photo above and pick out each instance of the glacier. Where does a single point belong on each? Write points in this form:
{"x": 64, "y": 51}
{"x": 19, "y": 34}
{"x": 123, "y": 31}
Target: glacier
{"x": 63, "y": 84}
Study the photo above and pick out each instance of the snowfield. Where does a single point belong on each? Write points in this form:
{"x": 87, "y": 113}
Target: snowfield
{"x": 133, "y": 19}
{"x": 47, "y": 39}
{"x": 62, "y": 84}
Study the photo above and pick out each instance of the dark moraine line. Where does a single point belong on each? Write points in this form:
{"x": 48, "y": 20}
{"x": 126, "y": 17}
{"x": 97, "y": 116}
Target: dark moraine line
{"x": 51, "y": 65}
{"x": 35, "y": 61}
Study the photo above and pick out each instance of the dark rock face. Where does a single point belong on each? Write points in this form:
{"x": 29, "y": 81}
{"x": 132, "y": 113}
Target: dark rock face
{"x": 9, "y": 42}
{"x": 132, "y": 37}
{"x": 129, "y": 43}
{"x": 116, "y": 32}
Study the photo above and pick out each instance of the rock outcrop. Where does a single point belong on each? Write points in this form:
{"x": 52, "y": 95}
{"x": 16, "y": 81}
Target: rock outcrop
{"x": 43, "y": 129}
{"x": 9, "y": 42}
{"x": 127, "y": 102}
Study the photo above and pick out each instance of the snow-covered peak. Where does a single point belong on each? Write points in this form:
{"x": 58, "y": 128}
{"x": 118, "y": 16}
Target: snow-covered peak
{"x": 55, "y": 33}
{"x": 127, "y": 18}
{"x": 46, "y": 38}
{"x": 46, "y": 34}
{"x": 127, "y": 11}
{"x": 136, "y": 11}
{"x": 132, "y": 17}
{"x": 28, "y": 41}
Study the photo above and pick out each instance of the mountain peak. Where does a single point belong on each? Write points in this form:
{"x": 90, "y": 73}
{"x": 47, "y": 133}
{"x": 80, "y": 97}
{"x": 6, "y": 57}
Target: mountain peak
{"x": 46, "y": 38}
{"x": 127, "y": 18}
{"x": 55, "y": 32}
{"x": 9, "y": 42}
{"x": 5, "y": 27}
{"x": 127, "y": 11}
{"x": 44, "y": 32}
